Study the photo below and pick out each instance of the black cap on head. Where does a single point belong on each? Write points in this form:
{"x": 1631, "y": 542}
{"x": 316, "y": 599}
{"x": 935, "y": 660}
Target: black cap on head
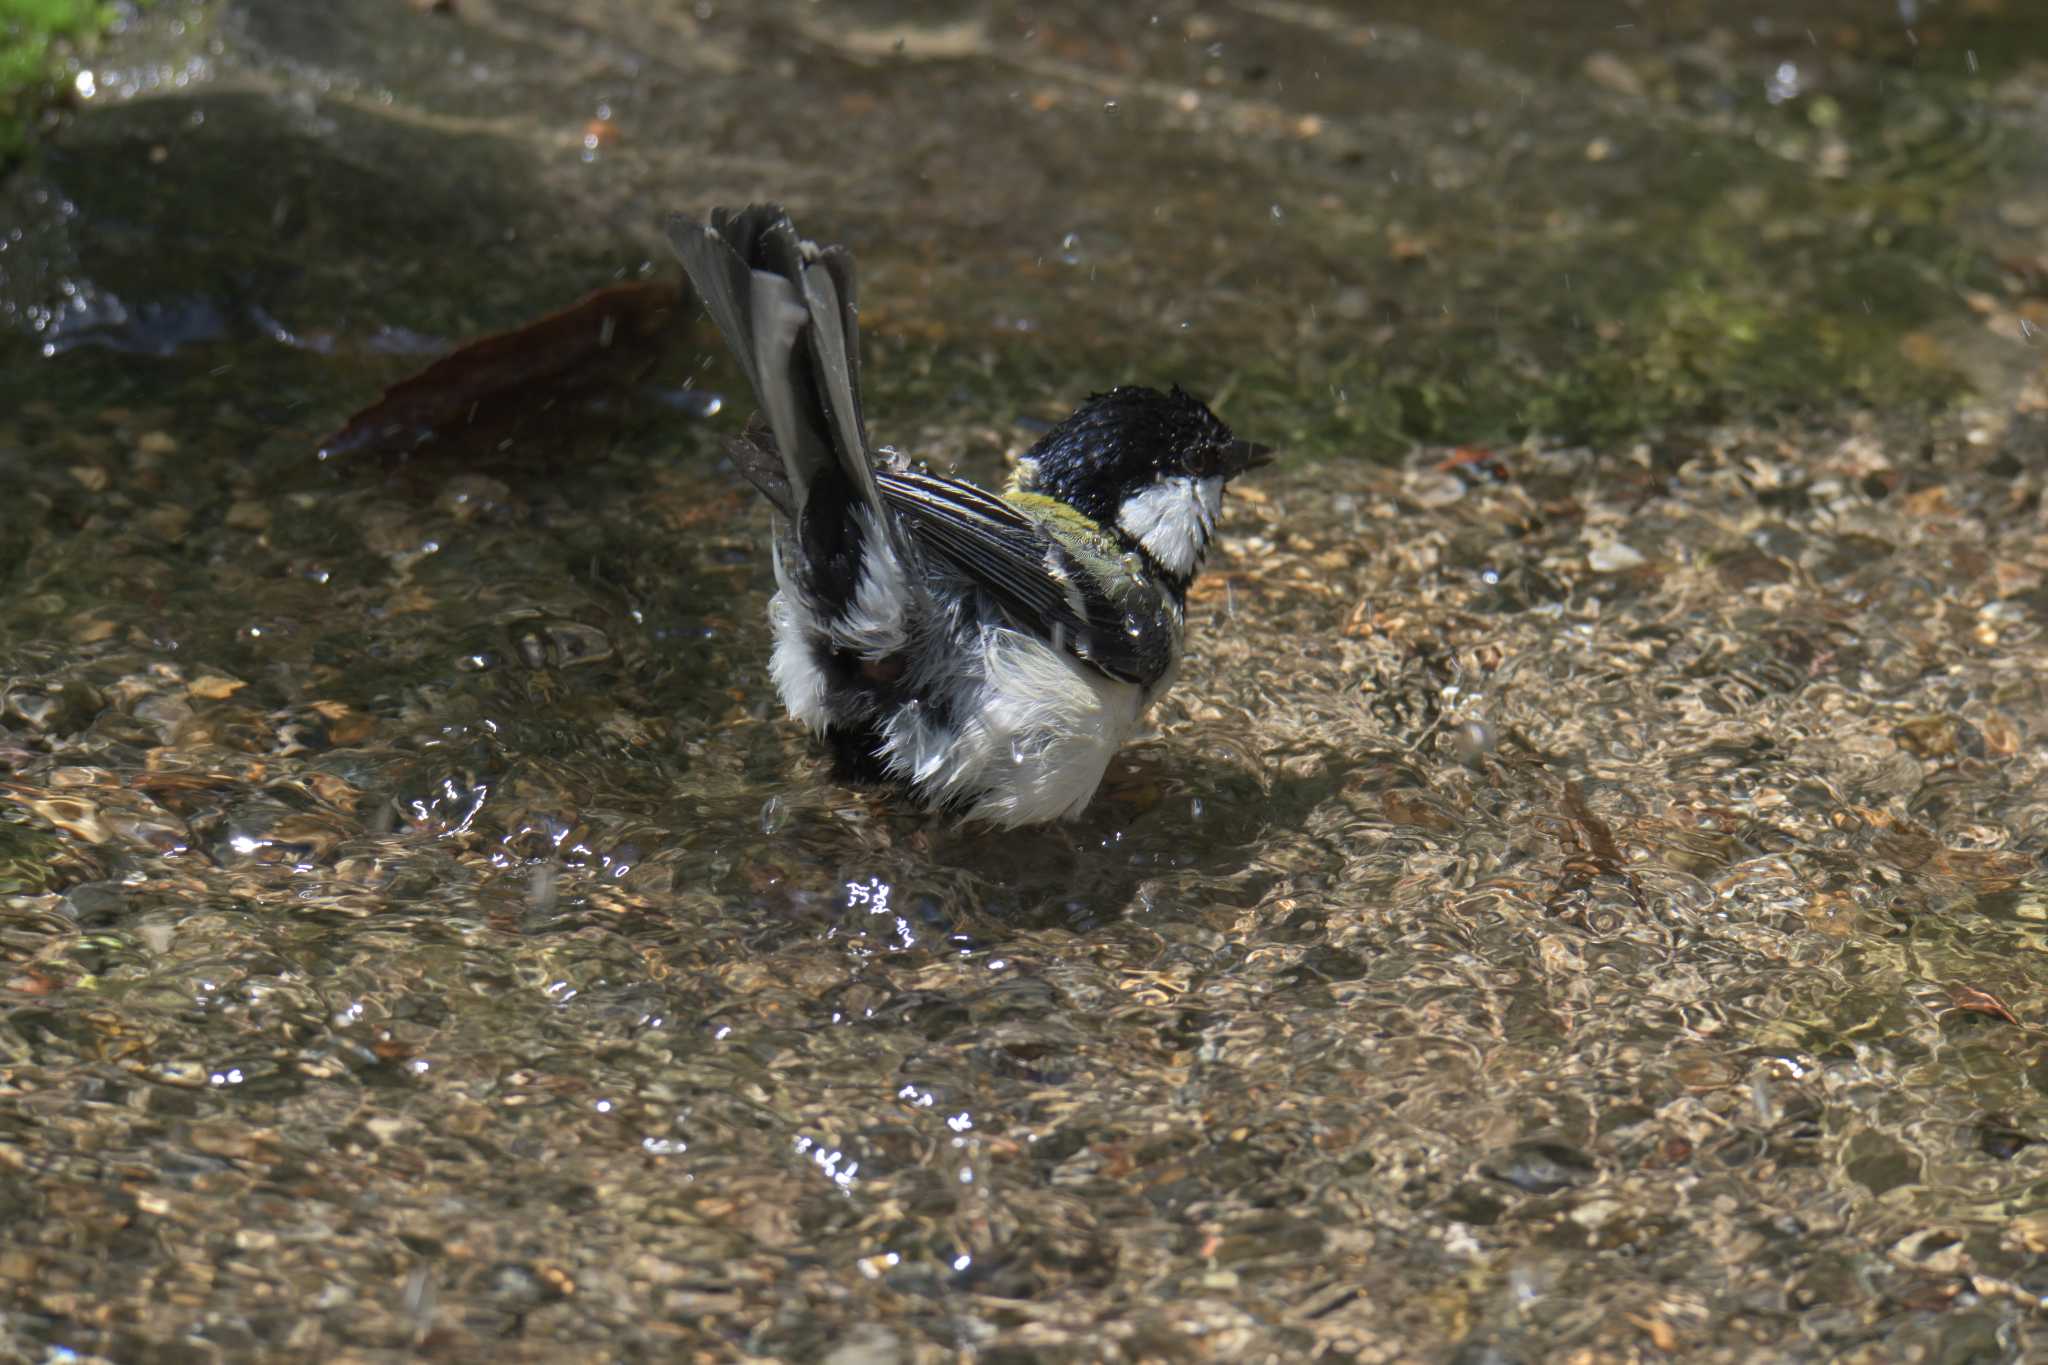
{"x": 1121, "y": 441}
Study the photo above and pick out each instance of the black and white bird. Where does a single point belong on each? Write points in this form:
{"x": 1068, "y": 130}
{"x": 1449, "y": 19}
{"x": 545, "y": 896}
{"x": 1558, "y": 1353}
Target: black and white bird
{"x": 989, "y": 653}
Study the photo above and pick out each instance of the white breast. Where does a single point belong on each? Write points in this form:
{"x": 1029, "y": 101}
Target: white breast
{"x": 1035, "y": 732}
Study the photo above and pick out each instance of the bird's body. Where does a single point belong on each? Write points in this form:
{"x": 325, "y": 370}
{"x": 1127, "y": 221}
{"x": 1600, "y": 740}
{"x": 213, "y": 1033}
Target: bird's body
{"x": 989, "y": 652}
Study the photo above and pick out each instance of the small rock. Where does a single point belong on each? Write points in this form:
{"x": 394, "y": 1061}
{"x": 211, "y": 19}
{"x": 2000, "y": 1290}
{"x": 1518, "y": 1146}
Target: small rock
{"x": 215, "y": 686}
{"x": 1612, "y": 74}
{"x": 867, "y": 1344}
{"x": 248, "y": 515}
{"x": 1433, "y": 489}
{"x": 1613, "y": 557}
{"x": 1541, "y": 1167}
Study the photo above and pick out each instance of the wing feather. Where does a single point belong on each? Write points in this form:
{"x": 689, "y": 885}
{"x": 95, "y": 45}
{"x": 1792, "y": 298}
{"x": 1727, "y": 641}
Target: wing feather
{"x": 1037, "y": 582}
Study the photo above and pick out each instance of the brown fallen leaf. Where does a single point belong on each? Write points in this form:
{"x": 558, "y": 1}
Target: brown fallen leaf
{"x": 74, "y": 815}
{"x": 345, "y": 727}
{"x": 610, "y": 335}
{"x": 1474, "y": 464}
{"x": 1979, "y": 1002}
{"x": 1659, "y": 1331}
{"x": 215, "y": 686}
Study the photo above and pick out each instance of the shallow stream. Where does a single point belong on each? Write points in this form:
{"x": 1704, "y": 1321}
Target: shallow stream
{"x": 1584, "y": 899}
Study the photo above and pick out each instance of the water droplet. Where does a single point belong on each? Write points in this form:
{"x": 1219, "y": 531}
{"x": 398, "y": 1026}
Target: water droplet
{"x": 1473, "y": 740}
{"x": 698, "y": 403}
{"x": 531, "y": 647}
{"x": 1784, "y": 83}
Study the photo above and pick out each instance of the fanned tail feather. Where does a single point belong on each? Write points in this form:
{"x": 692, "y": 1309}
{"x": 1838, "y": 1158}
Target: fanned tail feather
{"x": 787, "y": 309}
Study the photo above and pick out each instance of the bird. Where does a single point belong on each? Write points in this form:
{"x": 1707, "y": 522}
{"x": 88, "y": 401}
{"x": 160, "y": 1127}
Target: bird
{"x": 986, "y": 652}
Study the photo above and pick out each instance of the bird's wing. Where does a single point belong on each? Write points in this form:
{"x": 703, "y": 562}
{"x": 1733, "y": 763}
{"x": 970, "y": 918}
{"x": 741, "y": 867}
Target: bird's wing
{"x": 1036, "y": 581}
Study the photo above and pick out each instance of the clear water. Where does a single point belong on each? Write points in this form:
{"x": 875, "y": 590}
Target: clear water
{"x": 1582, "y": 900}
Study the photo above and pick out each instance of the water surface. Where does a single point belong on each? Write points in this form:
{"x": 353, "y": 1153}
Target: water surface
{"x": 1582, "y": 901}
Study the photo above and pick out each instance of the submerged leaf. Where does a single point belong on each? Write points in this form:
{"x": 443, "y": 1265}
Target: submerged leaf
{"x": 608, "y": 336}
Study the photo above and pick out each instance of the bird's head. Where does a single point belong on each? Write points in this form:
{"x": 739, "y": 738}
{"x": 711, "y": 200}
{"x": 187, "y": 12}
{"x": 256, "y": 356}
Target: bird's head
{"x": 1147, "y": 466}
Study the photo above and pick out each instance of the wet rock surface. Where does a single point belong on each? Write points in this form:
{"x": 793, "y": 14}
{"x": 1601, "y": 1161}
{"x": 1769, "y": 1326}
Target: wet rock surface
{"x": 1583, "y": 900}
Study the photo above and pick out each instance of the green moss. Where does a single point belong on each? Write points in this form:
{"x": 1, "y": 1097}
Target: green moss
{"x": 33, "y": 37}
{"x": 1728, "y": 284}
{"x": 1720, "y": 282}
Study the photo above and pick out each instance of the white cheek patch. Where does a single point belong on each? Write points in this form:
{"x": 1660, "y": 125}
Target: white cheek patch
{"x": 1173, "y": 520}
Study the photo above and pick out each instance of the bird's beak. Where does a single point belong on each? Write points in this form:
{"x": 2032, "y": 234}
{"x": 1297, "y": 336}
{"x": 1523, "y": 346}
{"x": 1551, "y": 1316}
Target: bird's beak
{"x": 1241, "y": 455}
